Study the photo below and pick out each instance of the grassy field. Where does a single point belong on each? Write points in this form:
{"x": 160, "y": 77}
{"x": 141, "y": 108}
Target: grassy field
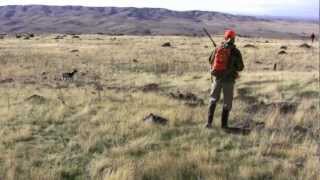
{"x": 92, "y": 127}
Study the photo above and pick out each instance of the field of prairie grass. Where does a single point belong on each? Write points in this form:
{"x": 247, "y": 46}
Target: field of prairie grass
{"x": 92, "y": 127}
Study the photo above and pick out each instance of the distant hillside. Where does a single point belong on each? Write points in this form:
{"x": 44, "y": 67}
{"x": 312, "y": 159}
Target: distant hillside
{"x": 141, "y": 21}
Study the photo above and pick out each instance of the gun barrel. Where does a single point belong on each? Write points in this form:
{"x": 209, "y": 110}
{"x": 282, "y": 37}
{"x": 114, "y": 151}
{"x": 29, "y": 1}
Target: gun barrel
{"x": 208, "y": 34}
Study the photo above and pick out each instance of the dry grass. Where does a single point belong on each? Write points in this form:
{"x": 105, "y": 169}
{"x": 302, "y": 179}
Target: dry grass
{"x": 77, "y": 132}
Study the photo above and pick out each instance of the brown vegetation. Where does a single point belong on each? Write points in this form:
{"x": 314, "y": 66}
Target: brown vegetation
{"x": 93, "y": 128}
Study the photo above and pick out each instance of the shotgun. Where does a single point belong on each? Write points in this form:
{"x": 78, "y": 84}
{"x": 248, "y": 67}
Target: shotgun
{"x": 214, "y": 44}
{"x": 208, "y": 34}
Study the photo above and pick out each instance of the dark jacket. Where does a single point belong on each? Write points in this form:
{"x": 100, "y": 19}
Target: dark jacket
{"x": 235, "y": 63}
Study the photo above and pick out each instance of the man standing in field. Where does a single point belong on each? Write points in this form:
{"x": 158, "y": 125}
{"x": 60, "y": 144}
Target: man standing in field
{"x": 226, "y": 62}
{"x": 312, "y": 37}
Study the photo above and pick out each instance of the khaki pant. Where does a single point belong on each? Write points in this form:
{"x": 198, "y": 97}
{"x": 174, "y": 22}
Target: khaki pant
{"x": 227, "y": 89}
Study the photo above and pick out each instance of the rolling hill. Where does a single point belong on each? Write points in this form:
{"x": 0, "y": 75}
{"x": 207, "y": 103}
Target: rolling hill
{"x": 142, "y": 21}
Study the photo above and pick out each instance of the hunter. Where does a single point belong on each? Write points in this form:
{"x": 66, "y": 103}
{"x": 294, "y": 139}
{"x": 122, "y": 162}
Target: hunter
{"x": 226, "y": 63}
{"x": 312, "y": 37}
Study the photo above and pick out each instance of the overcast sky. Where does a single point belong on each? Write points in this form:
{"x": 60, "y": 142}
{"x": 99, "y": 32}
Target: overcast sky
{"x": 289, "y": 8}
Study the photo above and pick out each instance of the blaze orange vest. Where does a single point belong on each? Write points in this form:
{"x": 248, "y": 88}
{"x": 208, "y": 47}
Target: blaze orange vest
{"x": 221, "y": 60}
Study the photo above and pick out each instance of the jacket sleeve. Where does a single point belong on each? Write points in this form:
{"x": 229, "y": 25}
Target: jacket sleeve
{"x": 238, "y": 62}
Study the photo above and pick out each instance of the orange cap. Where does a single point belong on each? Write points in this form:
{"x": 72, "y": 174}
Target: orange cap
{"x": 228, "y": 34}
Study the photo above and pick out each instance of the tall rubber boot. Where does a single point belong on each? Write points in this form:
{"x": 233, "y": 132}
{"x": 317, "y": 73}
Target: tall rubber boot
{"x": 224, "y": 118}
{"x": 212, "y": 108}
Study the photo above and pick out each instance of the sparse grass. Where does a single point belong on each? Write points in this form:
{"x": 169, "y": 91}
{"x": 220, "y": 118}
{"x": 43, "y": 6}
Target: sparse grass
{"x": 76, "y": 134}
